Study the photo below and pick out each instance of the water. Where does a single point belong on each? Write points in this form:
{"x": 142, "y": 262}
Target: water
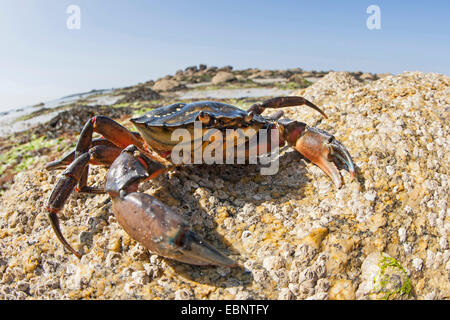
{"x": 8, "y": 123}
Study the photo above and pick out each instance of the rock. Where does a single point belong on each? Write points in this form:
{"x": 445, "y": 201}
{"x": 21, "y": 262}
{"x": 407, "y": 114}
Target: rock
{"x": 243, "y": 295}
{"x": 402, "y": 234}
{"x": 334, "y": 83}
{"x": 342, "y": 290}
{"x": 417, "y": 264}
{"x": 383, "y": 75}
{"x": 222, "y": 77}
{"x": 382, "y": 277}
{"x": 262, "y": 74}
{"x": 226, "y": 69}
{"x": 73, "y": 120}
{"x": 140, "y": 277}
{"x": 296, "y": 70}
{"x": 40, "y": 104}
{"x": 315, "y": 237}
{"x": 285, "y": 294}
{"x": 375, "y": 222}
{"x": 141, "y": 93}
{"x": 167, "y": 85}
{"x": 296, "y": 78}
{"x": 211, "y": 69}
{"x": 323, "y": 285}
{"x": 443, "y": 243}
{"x": 368, "y": 76}
{"x": 319, "y": 296}
{"x": 272, "y": 262}
{"x": 86, "y": 238}
{"x": 191, "y": 69}
{"x": 23, "y": 286}
{"x": 370, "y": 195}
{"x": 307, "y": 74}
{"x": 339, "y": 249}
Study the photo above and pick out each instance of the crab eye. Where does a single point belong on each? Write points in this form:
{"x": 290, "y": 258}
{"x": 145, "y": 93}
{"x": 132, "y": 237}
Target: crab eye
{"x": 249, "y": 117}
{"x": 204, "y": 117}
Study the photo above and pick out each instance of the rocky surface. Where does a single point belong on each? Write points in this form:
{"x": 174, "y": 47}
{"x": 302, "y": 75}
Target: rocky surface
{"x": 141, "y": 93}
{"x": 73, "y": 120}
{"x": 167, "y": 85}
{"x": 293, "y": 234}
{"x": 222, "y": 77}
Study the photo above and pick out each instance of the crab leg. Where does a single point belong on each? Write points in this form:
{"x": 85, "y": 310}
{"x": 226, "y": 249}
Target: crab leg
{"x": 70, "y": 156}
{"x": 100, "y": 155}
{"x": 61, "y": 193}
{"x": 116, "y": 136}
{"x": 282, "y": 102}
{"x": 112, "y": 131}
{"x": 149, "y": 221}
{"x": 70, "y": 178}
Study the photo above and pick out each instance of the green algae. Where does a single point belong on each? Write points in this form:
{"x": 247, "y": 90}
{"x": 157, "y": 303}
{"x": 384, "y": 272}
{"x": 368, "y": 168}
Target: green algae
{"x": 23, "y": 156}
{"x": 383, "y": 281}
{"x": 294, "y": 85}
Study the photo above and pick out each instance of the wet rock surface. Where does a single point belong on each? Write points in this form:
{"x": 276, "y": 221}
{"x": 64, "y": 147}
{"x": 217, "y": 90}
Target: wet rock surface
{"x": 293, "y": 234}
{"x": 73, "y": 120}
{"x": 141, "y": 93}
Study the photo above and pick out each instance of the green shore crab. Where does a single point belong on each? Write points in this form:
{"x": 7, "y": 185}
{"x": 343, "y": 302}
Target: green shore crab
{"x": 134, "y": 157}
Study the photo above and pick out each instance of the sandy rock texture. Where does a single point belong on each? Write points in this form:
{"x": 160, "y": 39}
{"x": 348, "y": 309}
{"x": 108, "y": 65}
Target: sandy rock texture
{"x": 293, "y": 234}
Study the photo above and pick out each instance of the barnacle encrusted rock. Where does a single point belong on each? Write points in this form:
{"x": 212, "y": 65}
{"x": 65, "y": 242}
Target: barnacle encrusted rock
{"x": 294, "y": 234}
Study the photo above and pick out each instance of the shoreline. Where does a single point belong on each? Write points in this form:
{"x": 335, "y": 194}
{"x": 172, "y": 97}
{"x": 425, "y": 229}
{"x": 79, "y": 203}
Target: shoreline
{"x": 12, "y": 121}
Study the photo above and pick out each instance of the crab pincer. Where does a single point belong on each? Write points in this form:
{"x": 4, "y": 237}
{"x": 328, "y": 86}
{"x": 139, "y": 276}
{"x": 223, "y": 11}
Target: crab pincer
{"x": 322, "y": 149}
{"x": 151, "y": 222}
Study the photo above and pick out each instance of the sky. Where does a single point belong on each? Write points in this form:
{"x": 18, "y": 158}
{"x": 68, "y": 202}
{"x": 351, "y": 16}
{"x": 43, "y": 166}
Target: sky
{"x": 121, "y": 43}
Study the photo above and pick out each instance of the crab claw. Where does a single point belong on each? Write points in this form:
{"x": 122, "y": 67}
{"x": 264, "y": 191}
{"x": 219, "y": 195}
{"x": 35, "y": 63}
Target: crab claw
{"x": 149, "y": 221}
{"x": 164, "y": 232}
{"x": 198, "y": 250}
{"x": 322, "y": 149}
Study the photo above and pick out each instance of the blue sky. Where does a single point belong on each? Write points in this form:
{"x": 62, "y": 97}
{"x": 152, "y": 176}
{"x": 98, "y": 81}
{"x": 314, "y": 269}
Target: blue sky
{"x": 122, "y": 43}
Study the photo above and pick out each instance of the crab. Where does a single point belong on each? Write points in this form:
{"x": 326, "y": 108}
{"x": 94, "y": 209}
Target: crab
{"x": 133, "y": 157}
